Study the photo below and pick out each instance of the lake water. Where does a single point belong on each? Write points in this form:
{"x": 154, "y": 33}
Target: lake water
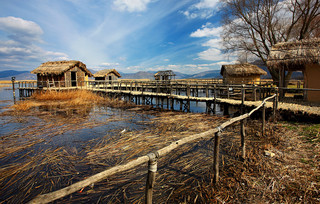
{"x": 102, "y": 121}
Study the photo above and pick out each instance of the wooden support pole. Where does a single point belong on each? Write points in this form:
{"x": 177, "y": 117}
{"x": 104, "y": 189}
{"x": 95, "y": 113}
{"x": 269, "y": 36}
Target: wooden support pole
{"x": 13, "y": 89}
{"x": 151, "y": 177}
{"x": 228, "y": 91}
{"x": 263, "y": 119}
{"x": 255, "y": 92}
{"x": 216, "y": 157}
{"x": 207, "y": 91}
{"x": 243, "y": 135}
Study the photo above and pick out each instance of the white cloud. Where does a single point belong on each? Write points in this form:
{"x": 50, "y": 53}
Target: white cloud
{"x": 203, "y": 4}
{"x": 203, "y": 9}
{"x": 21, "y": 46}
{"x": 109, "y": 64}
{"x": 207, "y": 30}
{"x": 131, "y": 5}
{"x": 215, "y": 42}
{"x": 21, "y": 30}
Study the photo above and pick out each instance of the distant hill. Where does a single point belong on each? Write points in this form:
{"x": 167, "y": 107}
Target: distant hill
{"x": 26, "y": 75}
{"x": 137, "y": 75}
{"x": 20, "y": 75}
{"x": 207, "y": 75}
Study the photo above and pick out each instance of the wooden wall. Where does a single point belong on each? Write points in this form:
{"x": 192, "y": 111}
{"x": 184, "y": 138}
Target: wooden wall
{"x": 311, "y": 79}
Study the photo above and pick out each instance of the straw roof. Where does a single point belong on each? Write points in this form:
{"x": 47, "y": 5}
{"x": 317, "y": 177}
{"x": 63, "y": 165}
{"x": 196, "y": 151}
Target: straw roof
{"x": 165, "y": 73}
{"x": 244, "y": 69}
{"x": 59, "y": 67}
{"x": 105, "y": 72}
{"x": 295, "y": 55}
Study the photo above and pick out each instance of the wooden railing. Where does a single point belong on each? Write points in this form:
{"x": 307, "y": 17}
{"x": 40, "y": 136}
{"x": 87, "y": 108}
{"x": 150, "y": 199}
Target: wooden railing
{"x": 183, "y": 87}
{"x": 152, "y": 158}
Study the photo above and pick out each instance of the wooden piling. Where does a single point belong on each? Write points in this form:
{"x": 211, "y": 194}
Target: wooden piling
{"x": 151, "y": 177}
{"x": 243, "y": 135}
{"x": 216, "y": 157}
{"x": 263, "y": 119}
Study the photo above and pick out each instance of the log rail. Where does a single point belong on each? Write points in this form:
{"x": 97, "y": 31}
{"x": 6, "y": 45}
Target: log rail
{"x": 152, "y": 158}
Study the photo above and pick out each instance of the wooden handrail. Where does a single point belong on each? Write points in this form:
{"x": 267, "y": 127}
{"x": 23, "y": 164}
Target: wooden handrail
{"x": 49, "y": 197}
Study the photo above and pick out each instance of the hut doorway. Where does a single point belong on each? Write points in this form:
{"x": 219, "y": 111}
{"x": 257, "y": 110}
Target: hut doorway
{"x": 73, "y": 78}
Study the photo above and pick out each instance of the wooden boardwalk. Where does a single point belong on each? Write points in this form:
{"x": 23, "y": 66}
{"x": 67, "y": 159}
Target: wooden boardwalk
{"x": 165, "y": 95}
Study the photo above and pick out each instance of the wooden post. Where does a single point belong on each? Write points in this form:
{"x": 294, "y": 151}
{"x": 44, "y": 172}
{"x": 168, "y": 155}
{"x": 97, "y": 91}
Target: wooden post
{"x": 243, "y": 135}
{"x": 151, "y": 177}
{"x": 216, "y": 157}
{"x": 274, "y": 108}
{"x": 263, "y": 119}
{"x": 188, "y": 90}
{"x": 13, "y": 89}
{"x": 215, "y": 99}
{"x": 228, "y": 91}
{"x": 255, "y": 92}
{"x": 207, "y": 91}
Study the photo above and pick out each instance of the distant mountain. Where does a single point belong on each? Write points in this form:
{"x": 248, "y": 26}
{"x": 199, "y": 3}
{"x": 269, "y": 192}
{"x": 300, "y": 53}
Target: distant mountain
{"x": 207, "y": 75}
{"x": 20, "y": 75}
{"x": 137, "y": 75}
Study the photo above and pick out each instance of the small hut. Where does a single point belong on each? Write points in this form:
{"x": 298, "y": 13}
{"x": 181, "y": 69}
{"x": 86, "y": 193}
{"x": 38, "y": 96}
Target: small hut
{"x": 164, "y": 75}
{"x": 62, "y": 74}
{"x": 107, "y": 75}
{"x": 241, "y": 73}
{"x": 298, "y": 56}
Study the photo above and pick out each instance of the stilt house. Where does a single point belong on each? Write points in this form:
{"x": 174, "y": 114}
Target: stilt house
{"x": 241, "y": 73}
{"x": 298, "y": 56}
{"x": 164, "y": 75}
{"x": 62, "y": 74}
{"x": 107, "y": 75}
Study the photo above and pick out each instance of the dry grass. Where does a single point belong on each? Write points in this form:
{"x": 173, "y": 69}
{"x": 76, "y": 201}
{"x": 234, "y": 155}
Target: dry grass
{"x": 67, "y": 99}
{"x": 184, "y": 176}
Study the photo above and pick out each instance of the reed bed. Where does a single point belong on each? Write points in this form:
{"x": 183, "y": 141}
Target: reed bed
{"x": 184, "y": 176}
{"x": 81, "y": 98}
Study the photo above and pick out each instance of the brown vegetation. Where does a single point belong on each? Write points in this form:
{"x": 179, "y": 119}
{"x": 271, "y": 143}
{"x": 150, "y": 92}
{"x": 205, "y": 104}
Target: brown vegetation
{"x": 67, "y": 99}
{"x": 292, "y": 175}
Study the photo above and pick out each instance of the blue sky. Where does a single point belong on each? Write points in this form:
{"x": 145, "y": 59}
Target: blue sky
{"x": 128, "y": 35}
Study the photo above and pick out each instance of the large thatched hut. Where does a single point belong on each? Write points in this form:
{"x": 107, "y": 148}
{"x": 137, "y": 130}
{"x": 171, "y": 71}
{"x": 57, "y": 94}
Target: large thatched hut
{"x": 298, "y": 56}
{"x": 164, "y": 75}
{"x": 241, "y": 73}
{"x": 106, "y": 75}
{"x": 62, "y": 73}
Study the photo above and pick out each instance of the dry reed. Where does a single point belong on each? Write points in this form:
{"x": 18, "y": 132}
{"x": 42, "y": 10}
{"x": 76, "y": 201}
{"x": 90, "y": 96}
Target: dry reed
{"x": 291, "y": 176}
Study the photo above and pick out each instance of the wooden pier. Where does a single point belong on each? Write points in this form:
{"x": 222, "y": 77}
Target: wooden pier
{"x": 172, "y": 95}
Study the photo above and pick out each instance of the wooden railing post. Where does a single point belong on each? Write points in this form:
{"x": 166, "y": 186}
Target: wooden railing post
{"x": 243, "y": 135}
{"x": 216, "y": 156}
{"x": 151, "y": 177}
{"x": 263, "y": 119}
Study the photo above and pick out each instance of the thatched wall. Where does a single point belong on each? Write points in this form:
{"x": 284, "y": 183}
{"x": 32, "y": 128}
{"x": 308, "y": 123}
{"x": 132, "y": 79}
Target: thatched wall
{"x": 294, "y": 55}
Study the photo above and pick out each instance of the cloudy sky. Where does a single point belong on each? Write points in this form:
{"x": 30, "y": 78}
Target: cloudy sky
{"x": 129, "y": 35}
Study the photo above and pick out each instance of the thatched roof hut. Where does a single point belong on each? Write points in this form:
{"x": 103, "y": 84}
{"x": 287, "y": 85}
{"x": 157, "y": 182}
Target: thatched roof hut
{"x": 59, "y": 67}
{"x": 244, "y": 69}
{"x": 106, "y": 72}
{"x": 302, "y": 56}
{"x": 164, "y": 75}
{"x": 295, "y": 55}
{"x": 62, "y": 74}
{"x": 241, "y": 73}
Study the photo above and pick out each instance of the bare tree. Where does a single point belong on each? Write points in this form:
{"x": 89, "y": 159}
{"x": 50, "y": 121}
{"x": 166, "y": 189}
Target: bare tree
{"x": 254, "y": 26}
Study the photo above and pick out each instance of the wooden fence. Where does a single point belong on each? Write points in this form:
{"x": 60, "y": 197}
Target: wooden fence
{"x": 152, "y": 158}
